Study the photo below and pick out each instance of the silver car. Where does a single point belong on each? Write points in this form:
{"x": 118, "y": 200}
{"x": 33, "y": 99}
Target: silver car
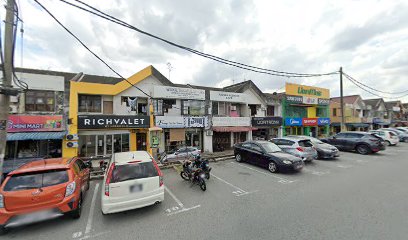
{"x": 302, "y": 148}
{"x": 182, "y": 154}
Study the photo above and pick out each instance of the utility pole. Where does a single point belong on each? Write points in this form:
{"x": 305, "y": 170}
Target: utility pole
{"x": 342, "y": 126}
{"x": 7, "y": 78}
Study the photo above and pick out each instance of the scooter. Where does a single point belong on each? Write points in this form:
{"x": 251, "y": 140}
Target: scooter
{"x": 204, "y": 164}
{"x": 103, "y": 165}
{"x": 195, "y": 177}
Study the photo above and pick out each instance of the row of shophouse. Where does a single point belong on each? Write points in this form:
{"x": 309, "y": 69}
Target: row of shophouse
{"x": 95, "y": 115}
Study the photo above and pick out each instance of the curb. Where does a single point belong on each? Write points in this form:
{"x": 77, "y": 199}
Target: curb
{"x": 170, "y": 165}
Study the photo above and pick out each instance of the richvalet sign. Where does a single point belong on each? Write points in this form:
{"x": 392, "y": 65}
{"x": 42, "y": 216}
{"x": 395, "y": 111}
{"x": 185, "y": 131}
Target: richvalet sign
{"x": 178, "y": 93}
{"x": 112, "y": 121}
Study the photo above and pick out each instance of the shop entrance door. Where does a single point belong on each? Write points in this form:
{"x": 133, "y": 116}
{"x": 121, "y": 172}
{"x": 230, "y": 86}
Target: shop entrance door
{"x": 141, "y": 144}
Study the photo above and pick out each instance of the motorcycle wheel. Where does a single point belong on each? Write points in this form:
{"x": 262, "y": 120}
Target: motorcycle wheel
{"x": 203, "y": 186}
{"x": 207, "y": 175}
{"x": 184, "y": 176}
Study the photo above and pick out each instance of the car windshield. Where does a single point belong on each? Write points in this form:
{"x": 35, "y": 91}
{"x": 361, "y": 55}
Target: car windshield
{"x": 35, "y": 180}
{"x": 128, "y": 172}
{"x": 270, "y": 147}
{"x": 317, "y": 141}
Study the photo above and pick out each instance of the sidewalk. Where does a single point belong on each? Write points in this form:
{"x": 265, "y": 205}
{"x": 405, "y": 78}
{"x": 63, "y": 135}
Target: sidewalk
{"x": 218, "y": 155}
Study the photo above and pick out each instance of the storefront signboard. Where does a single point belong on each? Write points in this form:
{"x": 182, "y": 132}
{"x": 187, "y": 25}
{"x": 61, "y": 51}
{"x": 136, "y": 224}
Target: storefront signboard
{"x": 323, "y": 101}
{"x": 294, "y": 99}
{"x": 181, "y": 122}
{"x": 34, "y": 123}
{"x": 309, "y": 121}
{"x": 308, "y": 91}
{"x": 231, "y": 121}
{"x": 266, "y": 121}
{"x": 228, "y": 96}
{"x": 323, "y": 121}
{"x": 293, "y": 121}
{"x": 178, "y": 93}
{"x": 112, "y": 121}
{"x": 309, "y": 100}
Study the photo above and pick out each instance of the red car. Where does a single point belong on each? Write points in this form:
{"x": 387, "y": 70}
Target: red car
{"x": 43, "y": 189}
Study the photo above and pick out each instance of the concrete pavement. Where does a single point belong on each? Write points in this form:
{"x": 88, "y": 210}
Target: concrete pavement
{"x": 353, "y": 197}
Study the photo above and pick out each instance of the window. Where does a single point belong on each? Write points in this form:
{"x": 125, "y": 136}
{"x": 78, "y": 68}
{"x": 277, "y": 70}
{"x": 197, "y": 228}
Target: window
{"x": 36, "y": 180}
{"x": 253, "y": 109}
{"x": 305, "y": 143}
{"x": 246, "y": 145}
{"x": 43, "y": 101}
{"x": 90, "y": 103}
{"x": 168, "y": 104}
{"x": 256, "y": 147}
{"x": 128, "y": 172}
{"x": 193, "y": 107}
{"x": 270, "y": 111}
{"x": 214, "y": 108}
{"x": 340, "y": 135}
{"x": 353, "y": 135}
{"x": 334, "y": 112}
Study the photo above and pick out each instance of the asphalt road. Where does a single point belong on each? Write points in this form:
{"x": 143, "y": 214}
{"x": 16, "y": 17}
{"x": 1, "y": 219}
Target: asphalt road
{"x": 353, "y": 197}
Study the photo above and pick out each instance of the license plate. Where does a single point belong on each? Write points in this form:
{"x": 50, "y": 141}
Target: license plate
{"x": 136, "y": 188}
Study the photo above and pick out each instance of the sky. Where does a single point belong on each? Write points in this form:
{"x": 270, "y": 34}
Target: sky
{"x": 369, "y": 39}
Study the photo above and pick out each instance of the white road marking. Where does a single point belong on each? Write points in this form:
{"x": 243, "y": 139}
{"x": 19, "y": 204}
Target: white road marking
{"x": 91, "y": 211}
{"x": 180, "y": 208}
{"x": 317, "y": 173}
{"x": 361, "y": 161}
{"x": 76, "y": 235}
{"x": 174, "y": 197}
{"x": 344, "y": 166}
{"x": 230, "y": 184}
{"x": 280, "y": 179}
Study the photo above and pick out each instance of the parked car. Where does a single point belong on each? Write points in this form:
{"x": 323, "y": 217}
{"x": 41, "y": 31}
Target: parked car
{"x": 298, "y": 147}
{"x": 133, "y": 180}
{"x": 43, "y": 189}
{"x": 324, "y": 150}
{"x": 181, "y": 154}
{"x": 403, "y": 137}
{"x": 266, "y": 154}
{"x": 361, "y": 142}
{"x": 390, "y": 138}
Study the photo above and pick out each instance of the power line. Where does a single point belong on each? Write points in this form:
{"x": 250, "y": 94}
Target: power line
{"x": 87, "y": 48}
{"x": 392, "y": 93}
{"x": 371, "y": 92}
{"x": 215, "y": 58}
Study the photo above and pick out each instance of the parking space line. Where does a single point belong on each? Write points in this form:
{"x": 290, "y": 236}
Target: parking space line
{"x": 180, "y": 208}
{"x": 317, "y": 173}
{"x": 344, "y": 166}
{"x": 280, "y": 179}
{"x": 230, "y": 184}
{"x": 88, "y": 227}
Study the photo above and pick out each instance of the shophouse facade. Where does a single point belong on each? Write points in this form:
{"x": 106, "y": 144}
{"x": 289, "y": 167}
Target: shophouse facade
{"x": 375, "y": 113}
{"x": 396, "y": 113}
{"x": 305, "y": 110}
{"x": 354, "y": 107}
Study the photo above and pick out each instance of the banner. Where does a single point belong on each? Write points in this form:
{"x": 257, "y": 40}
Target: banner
{"x": 293, "y": 121}
{"x": 37, "y": 123}
{"x": 178, "y": 93}
{"x": 228, "y": 96}
{"x": 309, "y": 121}
{"x": 323, "y": 121}
{"x": 181, "y": 122}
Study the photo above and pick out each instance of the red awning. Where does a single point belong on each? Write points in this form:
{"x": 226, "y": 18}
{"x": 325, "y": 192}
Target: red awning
{"x": 233, "y": 129}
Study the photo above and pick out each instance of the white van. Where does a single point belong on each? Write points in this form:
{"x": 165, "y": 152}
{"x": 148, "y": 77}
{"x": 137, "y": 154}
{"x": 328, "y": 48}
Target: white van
{"x": 132, "y": 180}
{"x": 390, "y": 138}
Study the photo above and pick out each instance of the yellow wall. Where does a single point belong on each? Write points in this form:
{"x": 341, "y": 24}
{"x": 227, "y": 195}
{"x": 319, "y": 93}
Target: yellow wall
{"x": 293, "y": 89}
{"x": 77, "y": 88}
{"x": 311, "y": 112}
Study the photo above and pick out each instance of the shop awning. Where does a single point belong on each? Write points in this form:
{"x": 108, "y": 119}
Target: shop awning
{"x": 233, "y": 129}
{"x": 382, "y": 123}
{"x": 35, "y": 136}
{"x": 335, "y": 124}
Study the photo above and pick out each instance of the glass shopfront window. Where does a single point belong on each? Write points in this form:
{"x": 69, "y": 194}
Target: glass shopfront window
{"x": 102, "y": 144}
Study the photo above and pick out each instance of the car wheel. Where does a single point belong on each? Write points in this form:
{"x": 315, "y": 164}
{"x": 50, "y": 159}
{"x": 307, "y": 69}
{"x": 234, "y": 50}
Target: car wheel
{"x": 238, "y": 158}
{"x": 388, "y": 143}
{"x": 272, "y": 167}
{"x": 77, "y": 212}
{"x": 363, "y": 149}
{"x": 3, "y": 230}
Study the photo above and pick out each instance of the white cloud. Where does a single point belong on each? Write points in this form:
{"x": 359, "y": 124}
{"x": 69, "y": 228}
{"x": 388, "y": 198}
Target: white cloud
{"x": 367, "y": 38}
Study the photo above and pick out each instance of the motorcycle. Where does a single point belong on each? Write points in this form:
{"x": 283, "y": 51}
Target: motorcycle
{"x": 204, "y": 164}
{"x": 103, "y": 165}
{"x": 195, "y": 177}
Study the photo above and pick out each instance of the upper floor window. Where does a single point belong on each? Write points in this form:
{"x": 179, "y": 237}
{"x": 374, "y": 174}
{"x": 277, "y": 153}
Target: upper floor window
{"x": 193, "y": 107}
{"x": 252, "y": 109}
{"x": 40, "y": 101}
{"x": 224, "y": 109}
{"x": 334, "y": 112}
{"x": 90, "y": 103}
{"x": 270, "y": 111}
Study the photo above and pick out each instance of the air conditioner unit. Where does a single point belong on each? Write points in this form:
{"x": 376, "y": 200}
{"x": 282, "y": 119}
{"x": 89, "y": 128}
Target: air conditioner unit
{"x": 209, "y": 133}
{"x": 263, "y": 108}
{"x": 72, "y": 144}
{"x": 13, "y": 109}
{"x": 233, "y": 108}
{"x": 13, "y": 99}
{"x": 71, "y": 137}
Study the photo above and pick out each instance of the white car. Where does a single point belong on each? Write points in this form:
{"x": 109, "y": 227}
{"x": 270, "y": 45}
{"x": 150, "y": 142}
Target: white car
{"x": 389, "y": 137}
{"x": 133, "y": 180}
{"x": 182, "y": 154}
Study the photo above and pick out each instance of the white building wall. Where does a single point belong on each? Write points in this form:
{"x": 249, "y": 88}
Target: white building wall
{"x": 42, "y": 81}
{"x": 208, "y": 143}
